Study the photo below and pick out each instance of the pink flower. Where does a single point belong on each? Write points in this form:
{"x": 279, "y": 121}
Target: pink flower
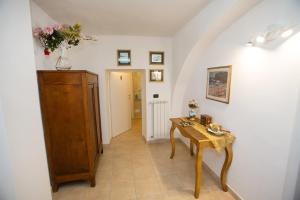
{"x": 48, "y": 30}
{"x": 37, "y": 31}
{"x": 56, "y": 26}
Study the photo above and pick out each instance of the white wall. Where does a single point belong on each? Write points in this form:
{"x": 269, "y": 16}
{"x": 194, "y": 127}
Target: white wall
{"x": 264, "y": 97}
{"x": 102, "y": 55}
{"x": 7, "y": 190}
{"x": 24, "y": 170}
{"x": 196, "y": 36}
{"x": 292, "y": 180}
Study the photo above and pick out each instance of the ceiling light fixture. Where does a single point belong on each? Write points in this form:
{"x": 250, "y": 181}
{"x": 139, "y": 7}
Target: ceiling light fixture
{"x": 273, "y": 33}
{"x": 287, "y": 33}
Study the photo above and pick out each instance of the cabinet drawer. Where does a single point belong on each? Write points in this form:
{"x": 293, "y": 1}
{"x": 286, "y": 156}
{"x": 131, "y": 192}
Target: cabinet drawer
{"x": 61, "y": 78}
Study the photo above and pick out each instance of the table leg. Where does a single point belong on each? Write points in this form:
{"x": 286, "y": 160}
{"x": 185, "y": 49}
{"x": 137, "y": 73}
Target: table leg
{"x": 198, "y": 171}
{"x": 191, "y": 148}
{"x": 226, "y": 165}
{"x": 172, "y": 140}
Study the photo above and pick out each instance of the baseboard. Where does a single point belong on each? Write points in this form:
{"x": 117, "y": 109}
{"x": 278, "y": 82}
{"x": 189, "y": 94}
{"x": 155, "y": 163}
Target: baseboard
{"x": 216, "y": 177}
{"x": 161, "y": 140}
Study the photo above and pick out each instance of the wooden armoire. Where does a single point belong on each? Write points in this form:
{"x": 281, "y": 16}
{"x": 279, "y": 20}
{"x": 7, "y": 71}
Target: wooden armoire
{"x": 71, "y": 119}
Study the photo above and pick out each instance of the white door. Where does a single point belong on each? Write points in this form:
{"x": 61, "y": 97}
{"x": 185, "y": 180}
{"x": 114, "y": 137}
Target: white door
{"x": 120, "y": 101}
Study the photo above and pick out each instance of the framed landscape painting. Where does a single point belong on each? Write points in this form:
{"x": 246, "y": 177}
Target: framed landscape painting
{"x": 156, "y": 58}
{"x": 218, "y": 83}
{"x": 124, "y": 57}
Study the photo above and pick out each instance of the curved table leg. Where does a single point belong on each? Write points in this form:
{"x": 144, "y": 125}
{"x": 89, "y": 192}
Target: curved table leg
{"x": 172, "y": 140}
{"x": 191, "y": 148}
{"x": 198, "y": 167}
{"x": 226, "y": 165}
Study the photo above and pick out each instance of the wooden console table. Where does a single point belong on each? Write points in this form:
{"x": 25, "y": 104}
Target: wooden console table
{"x": 201, "y": 141}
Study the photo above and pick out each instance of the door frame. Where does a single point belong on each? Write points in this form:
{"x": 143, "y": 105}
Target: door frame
{"x": 108, "y": 100}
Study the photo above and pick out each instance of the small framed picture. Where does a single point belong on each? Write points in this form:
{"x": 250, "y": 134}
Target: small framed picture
{"x": 218, "y": 83}
{"x": 156, "y": 75}
{"x": 156, "y": 57}
{"x": 124, "y": 57}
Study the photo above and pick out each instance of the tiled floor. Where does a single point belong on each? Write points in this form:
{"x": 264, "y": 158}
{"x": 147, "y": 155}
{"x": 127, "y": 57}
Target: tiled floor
{"x": 130, "y": 169}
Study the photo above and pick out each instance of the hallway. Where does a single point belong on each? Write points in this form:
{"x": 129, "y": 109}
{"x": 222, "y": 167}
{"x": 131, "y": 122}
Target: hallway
{"x": 130, "y": 169}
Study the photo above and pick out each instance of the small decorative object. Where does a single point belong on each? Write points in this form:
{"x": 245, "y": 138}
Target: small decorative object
{"x": 156, "y": 58}
{"x": 205, "y": 120}
{"x": 193, "y": 105}
{"x": 124, "y": 57}
{"x": 59, "y": 36}
{"x": 63, "y": 61}
{"x": 156, "y": 75}
{"x": 218, "y": 83}
{"x": 216, "y": 129}
{"x": 185, "y": 124}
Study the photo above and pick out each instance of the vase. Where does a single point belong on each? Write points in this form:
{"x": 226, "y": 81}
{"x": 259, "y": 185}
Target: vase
{"x": 63, "y": 62}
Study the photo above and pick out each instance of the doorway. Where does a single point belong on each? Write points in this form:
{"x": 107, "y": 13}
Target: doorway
{"x": 126, "y": 101}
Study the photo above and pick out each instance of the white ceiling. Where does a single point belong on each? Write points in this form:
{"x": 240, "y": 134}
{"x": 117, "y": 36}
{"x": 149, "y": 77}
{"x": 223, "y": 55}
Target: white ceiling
{"x": 124, "y": 17}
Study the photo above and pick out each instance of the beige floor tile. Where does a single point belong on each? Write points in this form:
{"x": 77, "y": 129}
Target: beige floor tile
{"x": 151, "y": 197}
{"x": 122, "y": 190}
{"x": 140, "y": 161}
{"x": 120, "y": 163}
{"x": 98, "y": 193}
{"x": 169, "y": 182}
{"x": 123, "y": 174}
{"x": 147, "y": 188}
{"x": 144, "y": 172}
{"x": 104, "y": 174}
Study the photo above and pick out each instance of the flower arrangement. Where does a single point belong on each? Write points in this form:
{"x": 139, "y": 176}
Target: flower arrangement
{"x": 51, "y": 37}
{"x": 193, "y": 104}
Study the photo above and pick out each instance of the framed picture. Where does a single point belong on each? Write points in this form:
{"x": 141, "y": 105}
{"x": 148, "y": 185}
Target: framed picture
{"x": 156, "y": 57}
{"x": 218, "y": 83}
{"x": 124, "y": 57}
{"x": 156, "y": 75}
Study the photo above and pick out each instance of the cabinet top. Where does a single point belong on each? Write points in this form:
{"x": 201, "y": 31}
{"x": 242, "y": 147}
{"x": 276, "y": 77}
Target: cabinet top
{"x": 66, "y": 71}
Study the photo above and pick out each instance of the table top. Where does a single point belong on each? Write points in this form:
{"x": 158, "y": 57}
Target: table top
{"x": 192, "y": 133}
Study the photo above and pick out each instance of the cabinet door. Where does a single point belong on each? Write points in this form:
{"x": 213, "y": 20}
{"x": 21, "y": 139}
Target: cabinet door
{"x": 64, "y": 128}
{"x": 93, "y": 120}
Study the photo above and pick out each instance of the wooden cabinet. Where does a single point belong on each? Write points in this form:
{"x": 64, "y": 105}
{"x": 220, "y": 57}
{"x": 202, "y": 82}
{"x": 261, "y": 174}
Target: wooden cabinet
{"x": 71, "y": 119}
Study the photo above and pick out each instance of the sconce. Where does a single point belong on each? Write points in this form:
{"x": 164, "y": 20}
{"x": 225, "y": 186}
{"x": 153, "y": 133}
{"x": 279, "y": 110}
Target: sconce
{"x": 272, "y": 33}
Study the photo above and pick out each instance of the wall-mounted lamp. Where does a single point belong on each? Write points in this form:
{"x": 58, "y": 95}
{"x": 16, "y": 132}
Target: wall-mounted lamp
{"x": 272, "y": 33}
{"x": 260, "y": 39}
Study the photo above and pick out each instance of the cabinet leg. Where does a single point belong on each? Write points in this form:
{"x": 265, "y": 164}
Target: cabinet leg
{"x": 102, "y": 151}
{"x": 93, "y": 182}
{"x": 54, "y": 187}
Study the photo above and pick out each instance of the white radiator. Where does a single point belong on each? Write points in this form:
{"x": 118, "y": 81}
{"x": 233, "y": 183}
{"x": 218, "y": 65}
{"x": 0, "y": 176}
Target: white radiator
{"x": 160, "y": 119}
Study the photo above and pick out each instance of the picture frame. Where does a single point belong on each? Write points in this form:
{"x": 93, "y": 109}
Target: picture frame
{"x": 218, "y": 83}
{"x": 124, "y": 57}
{"x": 156, "y": 75}
{"x": 156, "y": 58}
